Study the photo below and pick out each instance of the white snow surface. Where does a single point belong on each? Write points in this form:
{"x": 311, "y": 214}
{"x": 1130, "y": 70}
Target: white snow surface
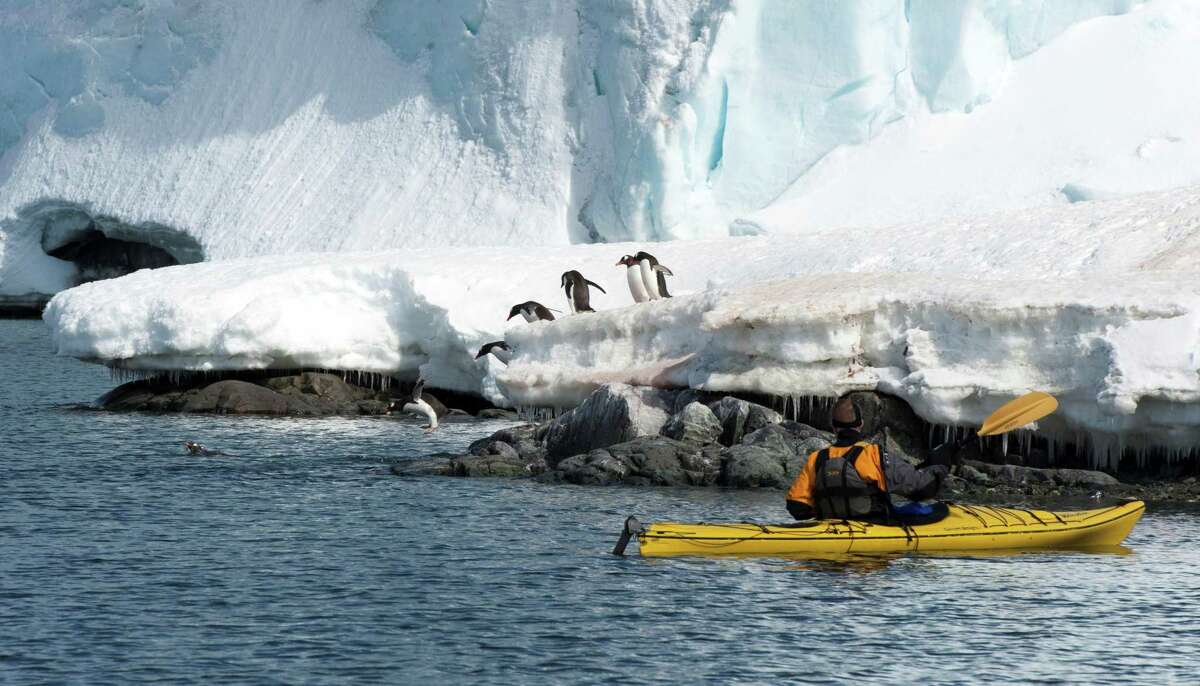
{"x": 293, "y": 126}
{"x": 1095, "y": 302}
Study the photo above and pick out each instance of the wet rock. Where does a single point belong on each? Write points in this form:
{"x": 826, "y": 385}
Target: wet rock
{"x": 754, "y": 466}
{"x": 649, "y": 460}
{"x": 613, "y": 414}
{"x": 506, "y": 465}
{"x": 759, "y": 416}
{"x": 498, "y": 449}
{"x": 803, "y": 431}
{"x": 522, "y": 438}
{"x": 372, "y": 407}
{"x": 434, "y": 465}
{"x": 771, "y": 436}
{"x": 236, "y": 397}
{"x": 1084, "y": 478}
{"x": 732, "y": 413}
{"x": 694, "y": 423}
{"x": 497, "y": 413}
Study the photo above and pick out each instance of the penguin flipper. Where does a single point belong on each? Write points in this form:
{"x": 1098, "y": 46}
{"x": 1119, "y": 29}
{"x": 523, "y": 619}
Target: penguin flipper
{"x": 596, "y": 285}
{"x": 662, "y": 285}
{"x": 662, "y": 269}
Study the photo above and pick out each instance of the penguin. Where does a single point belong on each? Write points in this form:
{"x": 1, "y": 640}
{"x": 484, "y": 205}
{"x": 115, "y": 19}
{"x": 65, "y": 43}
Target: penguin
{"x": 417, "y": 405}
{"x": 576, "y": 288}
{"x": 654, "y": 275}
{"x": 532, "y": 311}
{"x": 199, "y": 450}
{"x": 633, "y": 274}
{"x": 498, "y": 349}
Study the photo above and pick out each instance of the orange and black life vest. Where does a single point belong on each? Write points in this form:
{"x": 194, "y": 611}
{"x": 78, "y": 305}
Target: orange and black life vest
{"x": 843, "y": 482}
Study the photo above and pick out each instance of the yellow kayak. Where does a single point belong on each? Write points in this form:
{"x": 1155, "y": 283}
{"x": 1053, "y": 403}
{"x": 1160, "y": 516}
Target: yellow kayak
{"x": 968, "y": 527}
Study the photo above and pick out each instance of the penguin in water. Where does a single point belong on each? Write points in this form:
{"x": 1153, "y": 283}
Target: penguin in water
{"x": 576, "y": 288}
{"x": 633, "y": 275}
{"x": 199, "y": 450}
{"x": 498, "y": 349}
{"x": 532, "y": 311}
{"x": 416, "y": 405}
{"x": 654, "y": 275}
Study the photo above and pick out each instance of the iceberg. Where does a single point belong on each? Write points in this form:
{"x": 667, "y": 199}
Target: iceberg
{"x": 217, "y": 131}
{"x": 1096, "y": 302}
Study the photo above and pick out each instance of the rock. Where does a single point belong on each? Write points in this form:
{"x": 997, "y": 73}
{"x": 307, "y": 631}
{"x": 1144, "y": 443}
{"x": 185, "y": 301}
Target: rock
{"x": 434, "y": 465}
{"x": 613, "y": 414}
{"x": 771, "y": 436}
{"x": 498, "y": 449}
{"x": 328, "y": 387}
{"x": 801, "y": 452}
{"x": 596, "y": 468}
{"x": 649, "y": 460}
{"x": 497, "y": 413}
{"x": 236, "y": 397}
{"x": 694, "y": 423}
{"x": 973, "y": 475}
{"x": 739, "y": 417}
{"x": 372, "y": 407}
{"x": 759, "y": 417}
{"x": 1083, "y": 478}
{"x": 754, "y": 466}
{"x": 732, "y": 413}
{"x": 803, "y": 431}
{"x": 508, "y": 465}
{"x": 515, "y": 436}
{"x": 690, "y": 395}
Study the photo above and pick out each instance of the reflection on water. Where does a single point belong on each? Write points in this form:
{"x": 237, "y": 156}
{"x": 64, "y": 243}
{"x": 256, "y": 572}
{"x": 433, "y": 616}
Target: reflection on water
{"x": 302, "y": 560}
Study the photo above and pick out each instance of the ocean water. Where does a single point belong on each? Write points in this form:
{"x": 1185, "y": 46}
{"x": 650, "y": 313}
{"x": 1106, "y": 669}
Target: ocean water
{"x": 298, "y": 558}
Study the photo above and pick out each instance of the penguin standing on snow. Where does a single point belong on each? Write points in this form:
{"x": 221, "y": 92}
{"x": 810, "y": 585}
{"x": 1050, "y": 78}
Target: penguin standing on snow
{"x": 532, "y": 311}
{"x": 654, "y": 275}
{"x": 633, "y": 275}
{"x": 416, "y": 405}
{"x": 576, "y": 288}
{"x": 498, "y": 349}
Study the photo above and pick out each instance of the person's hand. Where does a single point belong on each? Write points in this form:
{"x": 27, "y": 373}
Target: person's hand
{"x": 944, "y": 455}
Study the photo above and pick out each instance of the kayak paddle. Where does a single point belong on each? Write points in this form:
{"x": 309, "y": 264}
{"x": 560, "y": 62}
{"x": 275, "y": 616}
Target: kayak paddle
{"x": 1017, "y": 413}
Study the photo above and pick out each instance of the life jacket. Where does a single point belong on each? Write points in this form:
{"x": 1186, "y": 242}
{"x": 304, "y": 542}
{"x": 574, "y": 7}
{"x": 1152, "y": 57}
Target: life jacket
{"x": 840, "y": 492}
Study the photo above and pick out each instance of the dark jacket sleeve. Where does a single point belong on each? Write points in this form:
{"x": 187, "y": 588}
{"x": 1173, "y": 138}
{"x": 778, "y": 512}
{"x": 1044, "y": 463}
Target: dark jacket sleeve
{"x": 907, "y": 481}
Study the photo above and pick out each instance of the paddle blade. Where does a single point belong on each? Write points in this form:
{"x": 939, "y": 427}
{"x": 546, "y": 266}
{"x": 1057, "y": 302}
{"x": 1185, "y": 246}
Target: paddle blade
{"x": 1017, "y": 413}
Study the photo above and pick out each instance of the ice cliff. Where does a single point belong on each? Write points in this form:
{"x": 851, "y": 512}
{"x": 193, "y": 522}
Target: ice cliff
{"x": 235, "y": 129}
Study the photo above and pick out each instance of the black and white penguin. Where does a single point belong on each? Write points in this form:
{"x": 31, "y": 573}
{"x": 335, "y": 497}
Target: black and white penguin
{"x": 416, "y": 405}
{"x": 576, "y": 288}
{"x": 654, "y": 275}
{"x": 532, "y": 311}
{"x": 498, "y": 349}
{"x": 200, "y": 450}
{"x": 633, "y": 275}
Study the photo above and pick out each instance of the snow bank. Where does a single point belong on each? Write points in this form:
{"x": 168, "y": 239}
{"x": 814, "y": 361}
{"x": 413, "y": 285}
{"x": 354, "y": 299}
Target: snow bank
{"x": 1094, "y": 301}
{"x": 287, "y": 127}
{"x": 1119, "y": 351}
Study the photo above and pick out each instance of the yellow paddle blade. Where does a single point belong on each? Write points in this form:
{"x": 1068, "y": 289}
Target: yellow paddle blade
{"x": 1017, "y": 413}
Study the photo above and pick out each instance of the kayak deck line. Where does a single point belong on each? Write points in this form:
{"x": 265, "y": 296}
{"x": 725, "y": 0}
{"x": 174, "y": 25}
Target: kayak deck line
{"x": 965, "y": 528}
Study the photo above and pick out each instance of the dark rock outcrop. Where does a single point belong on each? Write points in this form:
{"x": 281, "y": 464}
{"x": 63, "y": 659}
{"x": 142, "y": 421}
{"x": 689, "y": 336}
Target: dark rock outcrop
{"x": 649, "y": 460}
{"x": 694, "y": 423}
{"x": 612, "y": 414}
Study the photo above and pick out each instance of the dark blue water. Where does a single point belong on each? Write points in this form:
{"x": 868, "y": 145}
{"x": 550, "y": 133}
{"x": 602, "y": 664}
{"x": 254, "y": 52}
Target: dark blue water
{"x": 300, "y": 560}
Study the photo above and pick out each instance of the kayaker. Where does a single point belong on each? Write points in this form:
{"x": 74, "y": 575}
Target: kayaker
{"x": 856, "y": 479}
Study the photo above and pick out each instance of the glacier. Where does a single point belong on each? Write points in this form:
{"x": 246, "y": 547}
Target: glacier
{"x": 1096, "y": 302}
{"x": 224, "y": 130}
